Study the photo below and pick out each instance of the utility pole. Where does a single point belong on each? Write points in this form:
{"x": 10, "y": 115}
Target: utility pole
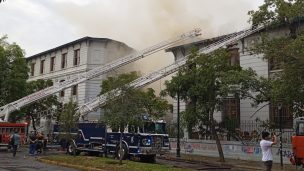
{"x": 178, "y": 128}
{"x": 281, "y": 146}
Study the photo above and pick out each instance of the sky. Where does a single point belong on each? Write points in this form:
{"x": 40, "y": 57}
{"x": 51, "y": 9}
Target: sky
{"x": 39, "y": 25}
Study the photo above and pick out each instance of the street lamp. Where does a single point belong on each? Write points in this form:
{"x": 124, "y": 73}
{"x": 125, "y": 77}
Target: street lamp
{"x": 280, "y": 117}
{"x": 178, "y": 128}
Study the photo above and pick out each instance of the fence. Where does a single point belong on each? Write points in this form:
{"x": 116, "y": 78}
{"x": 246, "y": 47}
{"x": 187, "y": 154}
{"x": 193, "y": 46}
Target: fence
{"x": 246, "y": 131}
{"x": 231, "y": 149}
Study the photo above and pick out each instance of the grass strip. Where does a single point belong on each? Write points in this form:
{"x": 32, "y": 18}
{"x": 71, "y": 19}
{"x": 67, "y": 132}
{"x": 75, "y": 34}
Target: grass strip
{"x": 107, "y": 164}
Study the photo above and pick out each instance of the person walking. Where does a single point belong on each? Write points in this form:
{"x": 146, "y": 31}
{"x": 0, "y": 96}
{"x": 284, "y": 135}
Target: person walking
{"x": 15, "y": 141}
{"x": 266, "y": 143}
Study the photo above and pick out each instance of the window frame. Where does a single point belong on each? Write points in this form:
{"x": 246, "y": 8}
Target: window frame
{"x": 64, "y": 63}
{"x": 76, "y": 59}
{"x": 74, "y": 91}
{"x": 42, "y": 62}
{"x": 274, "y": 116}
{"x": 32, "y": 69}
{"x": 52, "y": 63}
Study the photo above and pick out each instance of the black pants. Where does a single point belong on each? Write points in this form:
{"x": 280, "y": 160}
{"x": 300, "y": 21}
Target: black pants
{"x": 268, "y": 165}
{"x": 14, "y": 149}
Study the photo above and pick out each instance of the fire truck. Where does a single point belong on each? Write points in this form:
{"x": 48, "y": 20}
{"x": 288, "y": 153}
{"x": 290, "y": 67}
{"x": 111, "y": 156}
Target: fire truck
{"x": 6, "y": 130}
{"x": 298, "y": 142}
{"x": 138, "y": 83}
{"x": 144, "y": 142}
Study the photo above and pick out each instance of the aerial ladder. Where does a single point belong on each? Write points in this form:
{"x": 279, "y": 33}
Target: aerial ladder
{"x": 16, "y": 105}
{"x": 154, "y": 76}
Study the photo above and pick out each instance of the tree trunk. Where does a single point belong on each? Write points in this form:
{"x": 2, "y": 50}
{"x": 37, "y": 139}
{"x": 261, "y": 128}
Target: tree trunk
{"x": 217, "y": 140}
{"x": 293, "y": 29}
{"x": 189, "y": 128}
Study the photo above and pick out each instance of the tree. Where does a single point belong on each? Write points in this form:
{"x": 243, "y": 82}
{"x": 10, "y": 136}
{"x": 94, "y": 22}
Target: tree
{"x": 286, "y": 86}
{"x": 43, "y": 107}
{"x": 129, "y": 107}
{"x": 205, "y": 81}
{"x": 68, "y": 119}
{"x": 13, "y": 72}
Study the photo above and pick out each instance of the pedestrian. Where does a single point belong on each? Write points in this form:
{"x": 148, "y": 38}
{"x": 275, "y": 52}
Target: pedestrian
{"x": 266, "y": 144}
{"x": 33, "y": 142}
{"x": 15, "y": 141}
{"x": 39, "y": 145}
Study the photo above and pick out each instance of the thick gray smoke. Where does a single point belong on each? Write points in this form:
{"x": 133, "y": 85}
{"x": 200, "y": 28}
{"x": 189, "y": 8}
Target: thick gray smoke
{"x": 142, "y": 23}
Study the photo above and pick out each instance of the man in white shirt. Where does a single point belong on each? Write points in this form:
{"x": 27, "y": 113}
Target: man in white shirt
{"x": 266, "y": 144}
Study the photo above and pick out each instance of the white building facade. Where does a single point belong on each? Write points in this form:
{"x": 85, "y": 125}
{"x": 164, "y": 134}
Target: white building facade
{"x": 240, "y": 109}
{"x": 79, "y": 56}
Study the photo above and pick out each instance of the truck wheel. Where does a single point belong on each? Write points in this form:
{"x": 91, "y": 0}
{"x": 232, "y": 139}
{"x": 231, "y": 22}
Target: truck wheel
{"x": 121, "y": 153}
{"x": 72, "y": 150}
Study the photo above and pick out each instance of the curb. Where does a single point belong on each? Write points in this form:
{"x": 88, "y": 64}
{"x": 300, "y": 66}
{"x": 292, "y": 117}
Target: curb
{"x": 69, "y": 165}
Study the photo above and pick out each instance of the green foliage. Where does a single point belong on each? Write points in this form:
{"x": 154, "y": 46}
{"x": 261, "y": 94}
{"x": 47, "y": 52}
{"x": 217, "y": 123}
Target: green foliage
{"x": 35, "y": 110}
{"x": 287, "y": 85}
{"x": 206, "y": 81}
{"x": 13, "y": 72}
{"x": 68, "y": 119}
{"x": 129, "y": 107}
{"x": 278, "y": 12}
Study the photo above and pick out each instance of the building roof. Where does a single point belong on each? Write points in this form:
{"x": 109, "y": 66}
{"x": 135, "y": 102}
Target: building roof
{"x": 200, "y": 40}
{"x": 69, "y": 44}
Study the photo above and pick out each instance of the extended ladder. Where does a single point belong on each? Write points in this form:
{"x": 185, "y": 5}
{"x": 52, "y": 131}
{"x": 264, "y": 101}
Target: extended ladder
{"x": 16, "y": 105}
{"x": 154, "y": 76}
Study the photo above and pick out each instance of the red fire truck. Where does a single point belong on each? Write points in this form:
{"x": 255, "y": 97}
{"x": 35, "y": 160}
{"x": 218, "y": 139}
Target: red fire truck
{"x": 298, "y": 142}
{"x": 6, "y": 129}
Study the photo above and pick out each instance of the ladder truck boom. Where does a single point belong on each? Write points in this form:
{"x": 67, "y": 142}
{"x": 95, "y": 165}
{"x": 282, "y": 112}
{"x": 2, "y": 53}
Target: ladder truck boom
{"x": 74, "y": 80}
{"x": 154, "y": 76}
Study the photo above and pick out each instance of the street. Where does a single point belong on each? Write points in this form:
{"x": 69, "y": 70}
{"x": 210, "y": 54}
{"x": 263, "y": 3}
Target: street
{"x": 24, "y": 162}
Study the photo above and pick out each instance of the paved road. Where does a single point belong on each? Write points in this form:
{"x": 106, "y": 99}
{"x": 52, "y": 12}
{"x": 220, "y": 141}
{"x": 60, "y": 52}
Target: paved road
{"x": 24, "y": 162}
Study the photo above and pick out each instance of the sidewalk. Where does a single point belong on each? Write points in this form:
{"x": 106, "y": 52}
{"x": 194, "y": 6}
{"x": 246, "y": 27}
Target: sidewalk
{"x": 242, "y": 165}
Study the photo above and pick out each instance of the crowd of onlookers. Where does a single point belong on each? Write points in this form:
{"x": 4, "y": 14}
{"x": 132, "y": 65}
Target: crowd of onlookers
{"x": 37, "y": 143}
{"x": 36, "y": 140}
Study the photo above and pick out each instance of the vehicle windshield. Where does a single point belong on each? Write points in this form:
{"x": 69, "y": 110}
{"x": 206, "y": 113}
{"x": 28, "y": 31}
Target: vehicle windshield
{"x": 154, "y": 128}
{"x": 300, "y": 130}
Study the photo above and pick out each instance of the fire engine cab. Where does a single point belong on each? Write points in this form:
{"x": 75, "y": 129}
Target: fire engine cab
{"x": 6, "y": 130}
{"x": 298, "y": 142}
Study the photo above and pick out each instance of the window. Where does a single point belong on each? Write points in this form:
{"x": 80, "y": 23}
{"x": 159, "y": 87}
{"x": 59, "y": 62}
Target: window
{"x": 231, "y": 111}
{"x": 52, "y": 64}
{"x": 74, "y": 90}
{"x": 63, "y": 60}
{"x": 234, "y": 55}
{"x": 300, "y": 129}
{"x": 42, "y": 66}
{"x": 62, "y": 92}
{"x": 76, "y": 57}
{"x": 32, "y": 69}
{"x": 274, "y": 64}
{"x": 286, "y": 113}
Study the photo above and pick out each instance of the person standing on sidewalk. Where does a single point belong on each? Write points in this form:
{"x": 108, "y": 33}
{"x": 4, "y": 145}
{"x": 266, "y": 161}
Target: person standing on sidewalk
{"x": 33, "y": 141}
{"x": 15, "y": 141}
{"x": 266, "y": 144}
